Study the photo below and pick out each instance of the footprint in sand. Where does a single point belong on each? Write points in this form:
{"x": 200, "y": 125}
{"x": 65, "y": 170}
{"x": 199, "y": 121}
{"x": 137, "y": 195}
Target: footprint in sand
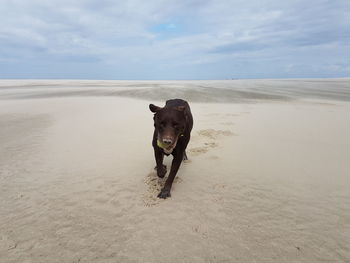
{"x": 218, "y": 189}
{"x": 154, "y": 185}
{"x": 208, "y": 140}
{"x": 212, "y": 114}
{"x": 237, "y": 114}
{"x": 219, "y": 186}
{"x": 232, "y": 114}
{"x": 203, "y": 149}
{"x": 214, "y": 134}
{"x": 228, "y": 123}
{"x": 200, "y": 230}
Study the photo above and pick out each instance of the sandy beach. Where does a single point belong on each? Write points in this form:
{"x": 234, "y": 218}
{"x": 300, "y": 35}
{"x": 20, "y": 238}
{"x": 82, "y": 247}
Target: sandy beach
{"x": 267, "y": 178}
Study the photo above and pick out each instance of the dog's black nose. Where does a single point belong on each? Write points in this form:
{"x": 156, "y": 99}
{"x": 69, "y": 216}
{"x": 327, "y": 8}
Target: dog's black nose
{"x": 167, "y": 141}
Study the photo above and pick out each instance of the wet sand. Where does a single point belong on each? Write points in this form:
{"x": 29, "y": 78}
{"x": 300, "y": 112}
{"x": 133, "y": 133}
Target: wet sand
{"x": 267, "y": 180}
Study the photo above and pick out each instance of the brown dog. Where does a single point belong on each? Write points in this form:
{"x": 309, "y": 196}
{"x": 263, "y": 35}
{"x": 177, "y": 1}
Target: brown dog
{"x": 172, "y": 131}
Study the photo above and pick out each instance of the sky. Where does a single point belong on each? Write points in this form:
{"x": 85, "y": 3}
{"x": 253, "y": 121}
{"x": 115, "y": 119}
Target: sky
{"x": 179, "y": 39}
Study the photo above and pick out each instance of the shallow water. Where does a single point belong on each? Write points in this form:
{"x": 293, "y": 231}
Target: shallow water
{"x": 227, "y": 91}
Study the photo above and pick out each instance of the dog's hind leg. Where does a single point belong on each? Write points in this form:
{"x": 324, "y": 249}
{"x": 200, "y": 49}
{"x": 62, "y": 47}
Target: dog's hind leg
{"x": 185, "y": 156}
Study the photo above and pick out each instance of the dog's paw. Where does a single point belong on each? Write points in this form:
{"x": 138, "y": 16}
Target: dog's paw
{"x": 164, "y": 194}
{"x": 162, "y": 171}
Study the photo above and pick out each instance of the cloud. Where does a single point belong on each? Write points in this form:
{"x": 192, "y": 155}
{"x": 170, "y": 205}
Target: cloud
{"x": 162, "y": 39}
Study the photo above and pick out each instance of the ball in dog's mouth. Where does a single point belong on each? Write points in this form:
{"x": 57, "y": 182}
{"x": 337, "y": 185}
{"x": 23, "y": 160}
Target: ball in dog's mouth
{"x": 166, "y": 148}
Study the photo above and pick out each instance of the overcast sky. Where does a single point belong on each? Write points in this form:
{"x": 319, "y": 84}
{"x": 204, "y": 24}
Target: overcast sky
{"x": 179, "y": 39}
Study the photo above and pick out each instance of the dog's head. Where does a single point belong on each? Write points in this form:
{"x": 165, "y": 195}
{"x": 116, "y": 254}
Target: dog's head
{"x": 170, "y": 124}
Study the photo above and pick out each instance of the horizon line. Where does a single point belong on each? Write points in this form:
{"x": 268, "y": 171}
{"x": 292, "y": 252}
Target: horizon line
{"x": 92, "y": 79}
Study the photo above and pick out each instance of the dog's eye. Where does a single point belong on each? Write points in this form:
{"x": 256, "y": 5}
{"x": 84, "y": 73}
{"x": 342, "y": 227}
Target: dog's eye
{"x": 162, "y": 123}
{"x": 175, "y": 125}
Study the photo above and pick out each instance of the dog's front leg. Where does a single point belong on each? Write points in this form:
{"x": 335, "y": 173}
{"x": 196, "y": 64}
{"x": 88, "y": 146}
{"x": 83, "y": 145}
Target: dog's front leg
{"x": 159, "y": 156}
{"x": 165, "y": 192}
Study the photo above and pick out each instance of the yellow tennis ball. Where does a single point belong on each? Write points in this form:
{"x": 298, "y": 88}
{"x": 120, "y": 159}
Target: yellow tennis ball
{"x": 160, "y": 144}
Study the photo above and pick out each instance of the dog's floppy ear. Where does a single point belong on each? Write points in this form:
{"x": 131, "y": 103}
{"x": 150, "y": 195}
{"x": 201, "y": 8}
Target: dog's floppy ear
{"x": 154, "y": 108}
{"x": 182, "y": 109}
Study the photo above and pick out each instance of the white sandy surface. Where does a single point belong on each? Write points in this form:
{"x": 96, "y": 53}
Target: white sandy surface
{"x": 266, "y": 182}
